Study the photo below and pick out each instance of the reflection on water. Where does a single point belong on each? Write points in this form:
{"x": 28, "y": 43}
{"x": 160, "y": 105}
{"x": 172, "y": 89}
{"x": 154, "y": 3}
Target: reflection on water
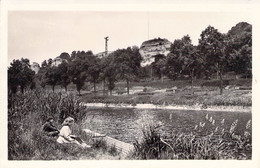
{"x": 126, "y": 124}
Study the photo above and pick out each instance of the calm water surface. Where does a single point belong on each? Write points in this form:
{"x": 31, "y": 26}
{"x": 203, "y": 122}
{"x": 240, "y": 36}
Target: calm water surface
{"x": 126, "y": 124}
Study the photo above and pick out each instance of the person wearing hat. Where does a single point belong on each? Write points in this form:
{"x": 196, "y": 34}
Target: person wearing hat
{"x": 65, "y": 135}
{"x": 49, "y": 128}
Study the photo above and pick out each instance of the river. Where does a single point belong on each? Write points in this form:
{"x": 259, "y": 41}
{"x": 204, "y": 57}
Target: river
{"x": 126, "y": 124}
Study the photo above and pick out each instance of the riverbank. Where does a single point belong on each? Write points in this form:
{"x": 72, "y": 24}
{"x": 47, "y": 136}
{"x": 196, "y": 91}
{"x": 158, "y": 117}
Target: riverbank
{"x": 208, "y": 100}
{"x": 172, "y": 107}
{"x": 203, "y": 98}
{"x": 26, "y": 115}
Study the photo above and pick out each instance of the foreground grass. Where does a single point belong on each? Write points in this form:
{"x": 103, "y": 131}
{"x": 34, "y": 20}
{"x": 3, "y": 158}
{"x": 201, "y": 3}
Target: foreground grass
{"x": 26, "y": 114}
{"x": 46, "y": 148}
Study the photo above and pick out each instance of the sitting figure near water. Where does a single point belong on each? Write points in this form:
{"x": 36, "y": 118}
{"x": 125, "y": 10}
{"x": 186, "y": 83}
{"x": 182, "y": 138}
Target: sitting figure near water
{"x": 65, "y": 135}
{"x": 49, "y": 128}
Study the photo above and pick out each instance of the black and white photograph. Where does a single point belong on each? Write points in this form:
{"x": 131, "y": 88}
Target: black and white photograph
{"x": 130, "y": 84}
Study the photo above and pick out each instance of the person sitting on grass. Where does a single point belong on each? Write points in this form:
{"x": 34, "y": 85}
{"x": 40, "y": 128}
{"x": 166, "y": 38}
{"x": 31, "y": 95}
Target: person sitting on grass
{"x": 65, "y": 135}
{"x": 49, "y": 128}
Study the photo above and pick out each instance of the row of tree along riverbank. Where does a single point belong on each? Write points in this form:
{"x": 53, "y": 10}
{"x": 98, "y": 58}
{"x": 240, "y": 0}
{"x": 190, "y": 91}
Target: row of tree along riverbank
{"x": 215, "y": 55}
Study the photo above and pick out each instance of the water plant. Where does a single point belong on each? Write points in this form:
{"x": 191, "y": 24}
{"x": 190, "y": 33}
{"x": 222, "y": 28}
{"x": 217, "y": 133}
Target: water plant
{"x": 215, "y": 143}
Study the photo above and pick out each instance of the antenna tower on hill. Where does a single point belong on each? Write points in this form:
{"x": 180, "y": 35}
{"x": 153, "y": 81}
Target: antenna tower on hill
{"x": 106, "y": 40}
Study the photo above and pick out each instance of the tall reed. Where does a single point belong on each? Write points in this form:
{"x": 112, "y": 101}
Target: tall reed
{"x": 26, "y": 114}
{"x": 215, "y": 144}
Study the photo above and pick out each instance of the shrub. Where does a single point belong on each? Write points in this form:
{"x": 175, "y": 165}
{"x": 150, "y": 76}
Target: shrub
{"x": 151, "y": 146}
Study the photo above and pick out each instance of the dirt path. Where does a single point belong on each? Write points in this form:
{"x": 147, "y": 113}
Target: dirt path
{"x": 176, "y": 107}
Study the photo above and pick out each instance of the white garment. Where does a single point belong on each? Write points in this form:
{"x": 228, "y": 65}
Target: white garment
{"x": 65, "y": 135}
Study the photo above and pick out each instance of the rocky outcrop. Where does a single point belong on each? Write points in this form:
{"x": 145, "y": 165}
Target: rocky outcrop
{"x": 154, "y": 47}
{"x": 35, "y": 67}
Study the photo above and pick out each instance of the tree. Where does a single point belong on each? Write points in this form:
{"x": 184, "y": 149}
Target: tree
{"x": 52, "y": 76}
{"x": 111, "y": 79}
{"x": 212, "y": 45}
{"x": 185, "y": 59}
{"x": 20, "y": 74}
{"x": 40, "y": 76}
{"x": 127, "y": 63}
{"x": 44, "y": 64}
{"x": 159, "y": 65}
{"x": 63, "y": 71}
{"x": 73, "y": 55}
{"x": 65, "y": 56}
{"x": 94, "y": 72}
{"x": 107, "y": 73}
{"x": 239, "y": 48}
{"x": 79, "y": 66}
{"x": 77, "y": 74}
{"x": 242, "y": 60}
{"x": 192, "y": 63}
{"x": 49, "y": 62}
{"x": 174, "y": 59}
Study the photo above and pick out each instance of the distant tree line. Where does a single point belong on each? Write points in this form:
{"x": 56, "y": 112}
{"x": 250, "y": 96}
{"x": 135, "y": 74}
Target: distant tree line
{"x": 77, "y": 68}
{"x": 216, "y": 53}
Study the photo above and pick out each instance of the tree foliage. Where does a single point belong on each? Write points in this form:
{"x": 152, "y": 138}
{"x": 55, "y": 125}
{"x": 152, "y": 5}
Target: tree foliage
{"x": 212, "y": 46}
{"x": 94, "y": 72}
{"x": 240, "y": 48}
{"x": 184, "y": 59}
{"x": 79, "y": 66}
{"x": 127, "y": 63}
{"x": 63, "y": 73}
{"x": 65, "y": 56}
{"x": 159, "y": 65}
{"x": 52, "y": 76}
{"x": 107, "y": 73}
{"x": 20, "y": 74}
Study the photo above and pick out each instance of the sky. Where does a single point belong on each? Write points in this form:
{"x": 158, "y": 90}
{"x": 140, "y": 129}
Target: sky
{"x": 40, "y": 35}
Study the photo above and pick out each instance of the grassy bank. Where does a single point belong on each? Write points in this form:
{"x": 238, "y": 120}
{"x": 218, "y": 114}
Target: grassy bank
{"x": 203, "y": 98}
{"x": 205, "y": 93}
{"x": 26, "y": 114}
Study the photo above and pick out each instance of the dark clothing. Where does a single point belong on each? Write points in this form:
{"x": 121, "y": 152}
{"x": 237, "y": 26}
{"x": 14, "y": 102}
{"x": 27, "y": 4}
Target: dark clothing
{"x": 50, "y": 129}
{"x": 78, "y": 139}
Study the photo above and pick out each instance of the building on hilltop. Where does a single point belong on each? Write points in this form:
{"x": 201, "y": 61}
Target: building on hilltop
{"x": 57, "y": 61}
{"x": 103, "y": 54}
{"x": 35, "y": 67}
